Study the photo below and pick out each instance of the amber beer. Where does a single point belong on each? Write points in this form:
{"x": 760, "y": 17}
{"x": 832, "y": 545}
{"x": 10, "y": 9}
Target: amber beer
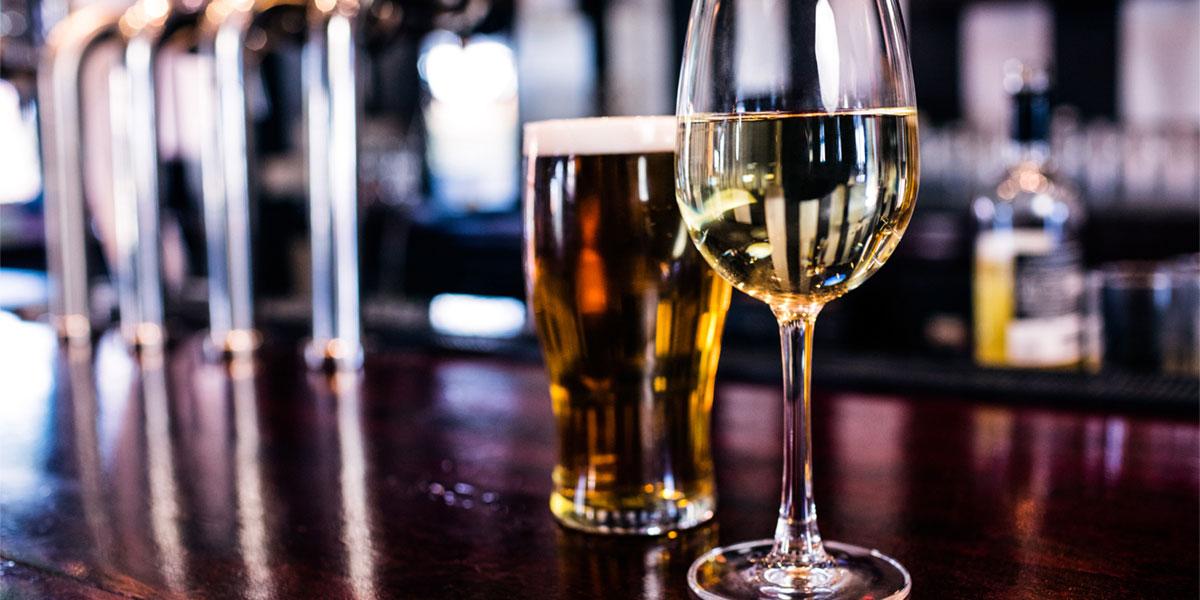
{"x": 630, "y": 320}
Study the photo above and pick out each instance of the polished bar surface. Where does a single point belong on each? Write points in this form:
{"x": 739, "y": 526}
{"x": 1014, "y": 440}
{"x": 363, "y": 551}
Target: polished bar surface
{"x": 427, "y": 476}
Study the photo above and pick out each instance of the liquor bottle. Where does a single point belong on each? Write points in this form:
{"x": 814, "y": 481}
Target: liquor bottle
{"x": 1028, "y": 270}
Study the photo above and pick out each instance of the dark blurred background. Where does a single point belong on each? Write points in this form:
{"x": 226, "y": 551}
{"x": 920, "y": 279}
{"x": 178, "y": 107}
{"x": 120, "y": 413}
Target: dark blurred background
{"x": 444, "y": 101}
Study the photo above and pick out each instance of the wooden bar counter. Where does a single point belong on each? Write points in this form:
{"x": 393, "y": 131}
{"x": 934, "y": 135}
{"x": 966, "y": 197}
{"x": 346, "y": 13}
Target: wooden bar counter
{"x": 427, "y": 475}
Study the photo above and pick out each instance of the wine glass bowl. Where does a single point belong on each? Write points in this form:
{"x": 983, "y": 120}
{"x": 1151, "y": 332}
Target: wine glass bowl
{"x": 798, "y": 209}
{"x": 796, "y": 175}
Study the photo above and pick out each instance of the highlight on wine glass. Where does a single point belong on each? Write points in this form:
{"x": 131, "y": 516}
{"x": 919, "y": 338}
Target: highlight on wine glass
{"x": 796, "y": 177}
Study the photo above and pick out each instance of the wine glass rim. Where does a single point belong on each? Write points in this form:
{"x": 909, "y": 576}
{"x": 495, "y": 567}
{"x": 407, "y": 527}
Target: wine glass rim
{"x": 859, "y": 110}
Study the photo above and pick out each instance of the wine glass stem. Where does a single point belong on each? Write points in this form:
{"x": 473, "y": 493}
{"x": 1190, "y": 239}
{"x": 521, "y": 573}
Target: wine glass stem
{"x": 797, "y": 541}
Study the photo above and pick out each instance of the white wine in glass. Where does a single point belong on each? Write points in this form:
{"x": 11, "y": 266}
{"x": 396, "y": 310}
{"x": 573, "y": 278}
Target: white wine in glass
{"x": 797, "y": 176}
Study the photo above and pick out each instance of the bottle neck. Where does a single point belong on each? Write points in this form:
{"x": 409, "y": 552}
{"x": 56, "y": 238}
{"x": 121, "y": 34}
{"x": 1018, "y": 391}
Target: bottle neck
{"x": 1031, "y": 126}
{"x": 1036, "y": 152}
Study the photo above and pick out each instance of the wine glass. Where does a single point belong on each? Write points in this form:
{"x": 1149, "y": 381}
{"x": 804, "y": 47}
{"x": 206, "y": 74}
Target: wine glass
{"x": 796, "y": 176}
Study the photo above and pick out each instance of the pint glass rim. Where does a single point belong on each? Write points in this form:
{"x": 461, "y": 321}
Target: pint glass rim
{"x": 594, "y": 136}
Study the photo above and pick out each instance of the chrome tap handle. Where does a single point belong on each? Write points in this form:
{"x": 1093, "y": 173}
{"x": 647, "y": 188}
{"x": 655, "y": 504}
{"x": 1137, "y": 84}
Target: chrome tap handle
{"x": 232, "y": 125}
{"x": 226, "y": 173}
{"x": 69, "y": 45}
{"x": 216, "y": 234}
{"x": 125, "y": 218}
{"x": 226, "y": 187}
{"x": 331, "y": 113}
{"x": 145, "y": 26}
{"x": 330, "y": 102}
{"x": 139, "y": 239}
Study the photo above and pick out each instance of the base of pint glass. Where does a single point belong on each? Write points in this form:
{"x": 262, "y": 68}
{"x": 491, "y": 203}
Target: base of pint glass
{"x": 333, "y": 355}
{"x": 654, "y": 519}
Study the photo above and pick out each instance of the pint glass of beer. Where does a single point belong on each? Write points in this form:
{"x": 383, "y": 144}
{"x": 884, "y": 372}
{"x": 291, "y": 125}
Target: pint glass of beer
{"x": 629, "y": 317}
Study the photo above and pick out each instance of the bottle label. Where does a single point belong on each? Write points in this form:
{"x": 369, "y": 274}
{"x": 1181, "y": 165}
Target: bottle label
{"x": 1048, "y": 285}
{"x": 1046, "y": 323}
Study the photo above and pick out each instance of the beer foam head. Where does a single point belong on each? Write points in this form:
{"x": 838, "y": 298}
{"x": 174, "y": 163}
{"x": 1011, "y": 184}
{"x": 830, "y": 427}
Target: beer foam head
{"x": 601, "y": 135}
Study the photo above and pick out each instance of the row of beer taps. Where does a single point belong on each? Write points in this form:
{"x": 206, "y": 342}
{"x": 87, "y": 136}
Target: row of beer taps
{"x": 218, "y": 31}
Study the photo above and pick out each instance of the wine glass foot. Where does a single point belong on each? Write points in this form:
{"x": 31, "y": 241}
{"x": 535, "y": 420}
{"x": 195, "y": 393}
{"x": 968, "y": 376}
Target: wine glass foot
{"x": 742, "y": 571}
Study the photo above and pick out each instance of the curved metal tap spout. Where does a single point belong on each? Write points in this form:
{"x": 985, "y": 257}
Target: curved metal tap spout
{"x": 331, "y": 115}
{"x": 330, "y": 108}
{"x": 225, "y": 156}
{"x": 72, "y": 41}
{"x": 146, "y": 26}
{"x": 135, "y": 135}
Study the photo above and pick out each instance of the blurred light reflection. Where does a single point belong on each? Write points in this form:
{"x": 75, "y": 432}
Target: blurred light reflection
{"x": 868, "y": 433}
{"x": 80, "y": 380}
{"x": 599, "y": 565}
{"x": 476, "y": 316}
{"x": 26, "y": 368}
{"x": 210, "y": 457}
{"x": 26, "y": 360}
{"x": 355, "y": 512}
{"x": 344, "y": 391}
{"x": 253, "y": 536}
{"x": 164, "y": 496}
{"x": 471, "y": 120}
{"x": 1114, "y": 449}
{"x": 112, "y": 390}
{"x": 991, "y": 442}
{"x": 20, "y": 172}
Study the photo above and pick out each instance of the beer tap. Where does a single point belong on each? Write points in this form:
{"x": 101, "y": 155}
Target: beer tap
{"x": 331, "y": 115}
{"x": 336, "y": 29}
{"x": 330, "y": 100}
{"x": 69, "y": 47}
{"x": 145, "y": 27}
{"x": 225, "y": 165}
{"x": 134, "y": 192}
{"x": 330, "y": 105}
